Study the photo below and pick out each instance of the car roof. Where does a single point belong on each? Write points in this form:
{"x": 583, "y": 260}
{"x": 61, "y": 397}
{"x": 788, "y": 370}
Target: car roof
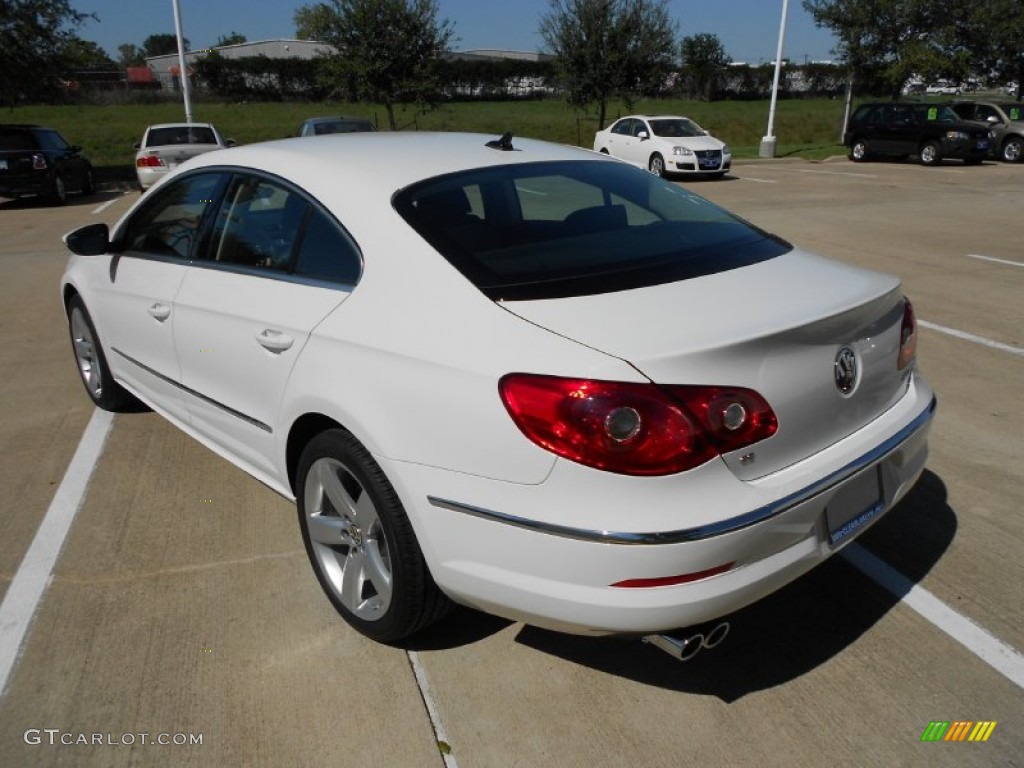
{"x": 180, "y": 125}
{"x": 334, "y": 119}
{"x": 383, "y": 161}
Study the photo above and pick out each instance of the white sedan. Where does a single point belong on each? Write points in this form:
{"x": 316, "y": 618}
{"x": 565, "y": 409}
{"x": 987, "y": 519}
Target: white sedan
{"x": 508, "y": 374}
{"x": 665, "y": 144}
{"x": 166, "y": 146}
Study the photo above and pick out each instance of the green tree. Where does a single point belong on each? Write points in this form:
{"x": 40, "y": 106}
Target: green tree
{"x": 162, "y": 44}
{"x": 897, "y": 39}
{"x": 313, "y": 22}
{"x": 996, "y": 36}
{"x": 234, "y": 38}
{"x": 607, "y": 49}
{"x": 385, "y": 49}
{"x": 85, "y": 54}
{"x": 35, "y": 36}
{"x": 130, "y": 55}
{"x": 705, "y": 64}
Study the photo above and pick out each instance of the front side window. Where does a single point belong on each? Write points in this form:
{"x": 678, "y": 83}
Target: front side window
{"x": 622, "y": 127}
{"x": 169, "y": 224}
{"x": 548, "y": 230}
{"x": 256, "y": 225}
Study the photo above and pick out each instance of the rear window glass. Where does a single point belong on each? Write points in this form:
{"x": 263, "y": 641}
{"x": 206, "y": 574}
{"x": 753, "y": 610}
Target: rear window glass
{"x": 163, "y": 137}
{"x": 17, "y": 140}
{"x": 549, "y": 230}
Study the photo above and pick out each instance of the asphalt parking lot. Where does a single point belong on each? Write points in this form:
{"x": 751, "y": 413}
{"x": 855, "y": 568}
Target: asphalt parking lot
{"x": 182, "y": 607}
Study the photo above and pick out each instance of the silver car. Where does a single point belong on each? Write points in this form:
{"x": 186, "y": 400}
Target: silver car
{"x": 1006, "y": 121}
{"x": 166, "y": 146}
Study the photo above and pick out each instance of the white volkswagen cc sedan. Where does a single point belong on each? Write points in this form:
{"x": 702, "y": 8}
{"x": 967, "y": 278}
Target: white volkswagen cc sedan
{"x": 517, "y": 376}
{"x": 665, "y": 145}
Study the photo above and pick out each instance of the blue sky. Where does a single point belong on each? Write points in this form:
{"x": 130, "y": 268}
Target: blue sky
{"x": 748, "y": 28}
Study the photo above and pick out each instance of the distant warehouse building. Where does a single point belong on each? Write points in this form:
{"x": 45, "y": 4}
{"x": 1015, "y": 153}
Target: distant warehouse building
{"x": 167, "y": 71}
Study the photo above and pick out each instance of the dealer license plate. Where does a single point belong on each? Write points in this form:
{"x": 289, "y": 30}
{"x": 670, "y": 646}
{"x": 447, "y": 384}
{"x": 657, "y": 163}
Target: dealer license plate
{"x": 982, "y": 145}
{"x": 856, "y": 504}
{"x": 708, "y": 162}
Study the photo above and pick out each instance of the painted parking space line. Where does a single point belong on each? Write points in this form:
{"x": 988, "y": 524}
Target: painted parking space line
{"x": 760, "y": 181}
{"x": 971, "y": 337}
{"x": 443, "y": 745}
{"x": 35, "y": 572}
{"x": 1003, "y": 658}
{"x": 837, "y": 173}
{"x": 994, "y": 259}
{"x": 102, "y": 207}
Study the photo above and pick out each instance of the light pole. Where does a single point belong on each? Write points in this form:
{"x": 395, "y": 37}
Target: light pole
{"x": 182, "y": 69}
{"x": 768, "y": 142}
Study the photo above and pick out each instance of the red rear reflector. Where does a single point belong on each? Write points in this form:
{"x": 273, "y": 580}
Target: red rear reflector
{"x": 668, "y": 581}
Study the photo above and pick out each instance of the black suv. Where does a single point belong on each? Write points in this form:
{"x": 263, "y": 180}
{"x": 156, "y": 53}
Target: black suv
{"x": 38, "y": 161}
{"x": 930, "y": 131}
{"x": 1005, "y": 119}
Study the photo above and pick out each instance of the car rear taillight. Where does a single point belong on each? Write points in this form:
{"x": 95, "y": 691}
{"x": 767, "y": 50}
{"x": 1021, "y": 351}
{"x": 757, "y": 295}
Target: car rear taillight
{"x": 908, "y": 336}
{"x": 631, "y": 428}
{"x": 39, "y": 162}
{"x": 149, "y": 161}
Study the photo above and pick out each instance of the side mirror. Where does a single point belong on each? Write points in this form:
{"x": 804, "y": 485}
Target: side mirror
{"x": 992, "y": 120}
{"x": 90, "y": 240}
{"x": 75, "y": 148}
{"x": 643, "y": 135}
{"x": 137, "y": 146}
{"x": 229, "y": 142}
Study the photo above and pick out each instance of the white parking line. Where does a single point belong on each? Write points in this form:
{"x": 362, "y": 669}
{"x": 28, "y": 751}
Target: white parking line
{"x": 838, "y": 173}
{"x": 971, "y": 337}
{"x": 1001, "y": 657}
{"x": 33, "y": 575}
{"x": 101, "y": 208}
{"x": 993, "y": 258}
{"x": 761, "y": 181}
{"x": 443, "y": 744}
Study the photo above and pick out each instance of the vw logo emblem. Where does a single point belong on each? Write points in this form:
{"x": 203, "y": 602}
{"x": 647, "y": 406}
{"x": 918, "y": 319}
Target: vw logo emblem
{"x": 846, "y": 370}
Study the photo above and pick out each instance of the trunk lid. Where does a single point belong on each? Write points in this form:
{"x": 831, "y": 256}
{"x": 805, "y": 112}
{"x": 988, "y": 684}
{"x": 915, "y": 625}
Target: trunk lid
{"x": 776, "y": 327}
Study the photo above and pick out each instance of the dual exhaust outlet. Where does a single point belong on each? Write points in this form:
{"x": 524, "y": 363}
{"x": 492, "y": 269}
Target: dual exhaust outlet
{"x": 685, "y": 648}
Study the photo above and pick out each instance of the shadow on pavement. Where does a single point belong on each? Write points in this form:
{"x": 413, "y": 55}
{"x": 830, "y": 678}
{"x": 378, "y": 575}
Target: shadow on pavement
{"x": 792, "y": 631}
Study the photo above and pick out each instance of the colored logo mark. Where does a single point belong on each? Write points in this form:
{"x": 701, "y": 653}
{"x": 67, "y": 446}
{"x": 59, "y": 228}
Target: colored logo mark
{"x": 958, "y": 730}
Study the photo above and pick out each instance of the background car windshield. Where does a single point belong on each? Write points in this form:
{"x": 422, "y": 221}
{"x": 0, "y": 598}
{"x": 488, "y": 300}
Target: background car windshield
{"x": 676, "y": 128}
{"x": 162, "y": 137}
{"x": 549, "y": 230}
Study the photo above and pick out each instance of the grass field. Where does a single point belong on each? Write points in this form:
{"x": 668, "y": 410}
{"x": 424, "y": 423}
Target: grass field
{"x": 805, "y": 128}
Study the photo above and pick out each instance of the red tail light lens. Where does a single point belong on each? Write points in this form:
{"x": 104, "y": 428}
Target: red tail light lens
{"x": 908, "y": 337}
{"x": 39, "y": 162}
{"x": 634, "y": 429}
{"x": 149, "y": 161}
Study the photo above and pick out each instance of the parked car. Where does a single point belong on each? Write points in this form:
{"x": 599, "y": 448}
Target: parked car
{"x": 665, "y": 144}
{"x": 942, "y": 88}
{"x": 1006, "y": 121}
{"x": 930, "y": 131}
{"x": 35, "y": 160}
{"x": 166, "y": 146}
{"x": 322, "y": 126}
{"x": 510, "y": 374}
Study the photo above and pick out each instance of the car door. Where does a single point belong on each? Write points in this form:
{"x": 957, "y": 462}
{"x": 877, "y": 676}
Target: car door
{"x": 135, "y": 296}
{"x": 274, "y": 266}
{"x": 903, "y": 131}
{"x": 620, "y": 139}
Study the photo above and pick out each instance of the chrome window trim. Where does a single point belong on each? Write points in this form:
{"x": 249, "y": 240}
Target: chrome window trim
{"x": 704, "y": 531}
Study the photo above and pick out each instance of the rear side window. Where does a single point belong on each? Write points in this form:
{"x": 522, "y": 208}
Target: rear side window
{"x": 326, "y": 253}
{"x": 547, "y": 230}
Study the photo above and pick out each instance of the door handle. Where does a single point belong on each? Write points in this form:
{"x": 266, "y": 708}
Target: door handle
{"x": 160, "y": 311}
{"x": 273, "y": 340}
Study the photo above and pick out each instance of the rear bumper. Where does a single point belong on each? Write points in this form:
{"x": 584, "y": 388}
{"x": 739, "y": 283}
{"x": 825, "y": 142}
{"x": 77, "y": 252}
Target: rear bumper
{"x": 532, "y": 568}
{"x": 35, "y": 184}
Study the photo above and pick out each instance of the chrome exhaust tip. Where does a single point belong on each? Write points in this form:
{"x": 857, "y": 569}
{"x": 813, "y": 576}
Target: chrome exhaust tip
{"x": 685, "y": 648}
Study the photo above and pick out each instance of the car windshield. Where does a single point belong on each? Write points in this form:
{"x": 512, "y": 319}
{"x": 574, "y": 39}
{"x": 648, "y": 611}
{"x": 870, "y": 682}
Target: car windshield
{"x": 1013, "y": 111}
{"x": 163, "y": 137}
{"x": 556, "y": 229}
{"x": 676, "y": 127}
{"x": 11, "y": 140}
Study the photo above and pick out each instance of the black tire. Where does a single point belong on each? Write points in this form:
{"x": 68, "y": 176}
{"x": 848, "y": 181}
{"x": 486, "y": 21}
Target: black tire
{"x": 91, "y": 362}
{"x": 604, "y": 151}
{"x": 360, "y": 542}
{"x": 930, "y": 153}
{"x": 859, "y": 151}
{"x": 1013, "y": 150}
{"x": 88, "y": 183}
{"x": 58, "y": 191}
{"x": 656, "y": 164}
